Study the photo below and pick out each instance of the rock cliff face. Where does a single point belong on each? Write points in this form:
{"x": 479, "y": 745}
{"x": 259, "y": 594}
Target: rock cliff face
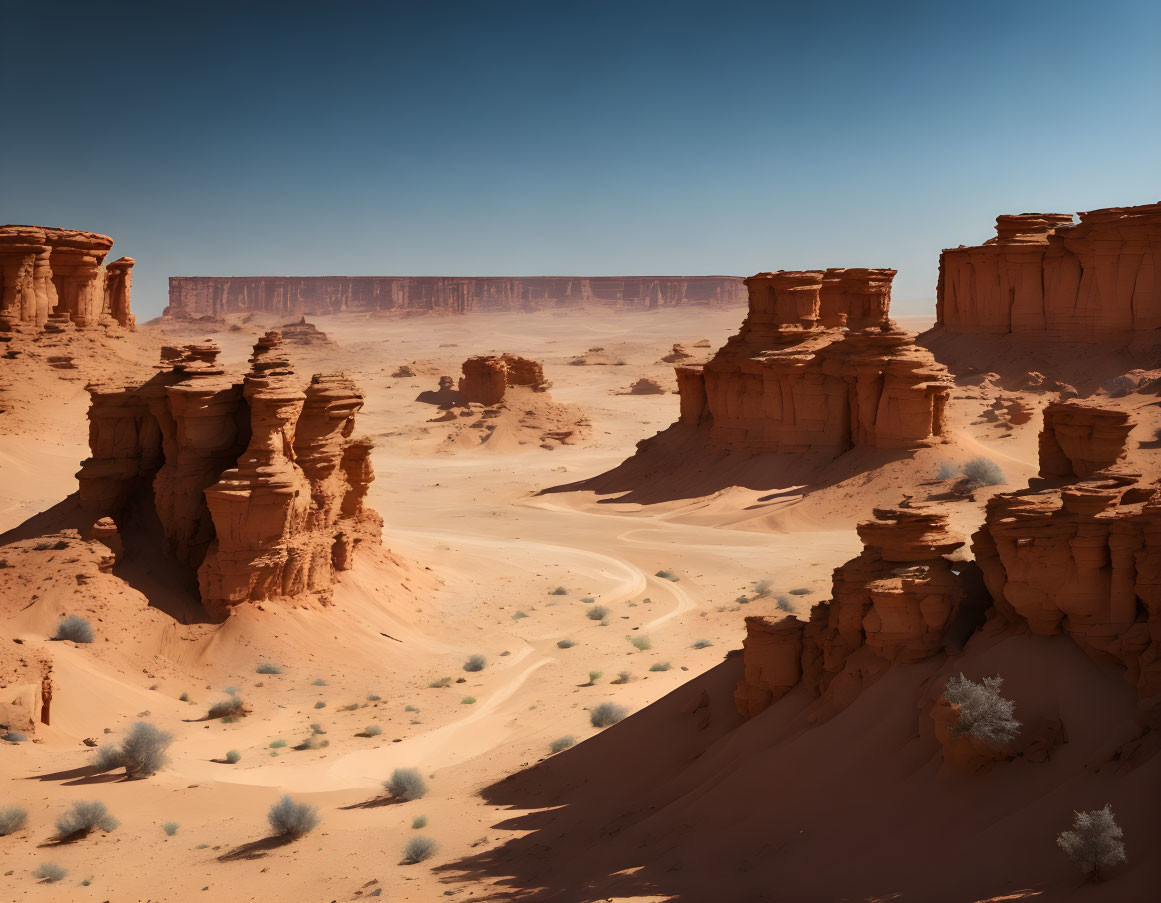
{"x": 258, "y": 485}
{"x": 49, "y": 274}
{"x": 487, "y": 376}
{"x": 1079, "y": 439}
{"x": 786, "y": 384}
{"x": 1042, "y": 276}
{"x": 191, "y": 296}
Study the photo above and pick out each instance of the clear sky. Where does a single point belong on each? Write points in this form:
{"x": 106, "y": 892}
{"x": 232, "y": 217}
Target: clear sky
{"x": 597, "y": 138}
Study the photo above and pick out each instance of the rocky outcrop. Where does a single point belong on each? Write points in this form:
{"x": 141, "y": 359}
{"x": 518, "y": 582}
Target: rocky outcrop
{"x": 1098, "y": 280}
{"x": 257, "y": 485}
{"x": 1079, "y": 439}
{"x": 303, "y": 333}
{"x": 898, "y": 601}
{"x": 50, "y": 275}
{"x": 855, "y": 298}
{"x": 785, "y": 384}
{"x": 486, "y": 377}
{"x": 191, "y": 296}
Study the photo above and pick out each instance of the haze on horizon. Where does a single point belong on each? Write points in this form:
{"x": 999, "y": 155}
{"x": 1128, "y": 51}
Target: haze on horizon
{"x": 677, "y": 138}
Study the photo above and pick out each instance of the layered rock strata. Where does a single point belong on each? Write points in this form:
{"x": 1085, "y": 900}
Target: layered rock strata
{"x": 192, "y": 296}
{"x": 784, "y": 383}
{"x": 486, "y": 377}
{"x": 1079, "y": 439}
{"x": 259, "y": 485}
{"x": 59, "y": 276}
{"x": 1043, "y": 275}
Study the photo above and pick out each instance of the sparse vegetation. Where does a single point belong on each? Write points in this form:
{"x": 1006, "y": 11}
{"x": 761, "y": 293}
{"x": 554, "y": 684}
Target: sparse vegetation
{"x": 623, "y": 677}
{"x": 372, "y": 697}
{"x": 268, "y": 668}
{"x": 418, "y": 849}
{"x": 12, "y": 819}
{"x": 1094, "y": 843}
{"x": 318, "y": 682}
{"x": 783, "y": 603}
{"x": 440, "y": 684}
{"x": 233, "y": 757}
{"x": 75, "y": 629}
{"x": 170, "y": 828}
{"x": 406, "y": 784}
{"x": 559, "y": 591}
{"x": 320, "y": 705}
{"x": 50, "y": 872}
{"x": 594, "y": 676}
{"x": 277, "y": 744}
{"x": 701, "y": 644}
{"x": 565, "y": 644}
{"x": 597, "y": 613}
{"x": 231, "y": 707}
{"x": 420, "y": 821}
{"x": 292, "y": 819}
{"x": 15, "y": 737}
{"x": 85, "y": 817}
{"x": 468, "y": 700}
{"x": 642, "y": 643}
{"x": 607, "y": 713}
{"x": 762, "y": 588}
{"x": 372, "y": 730}
{"x": 184, "y": 697}
{"x": 983, "y": 712}
{"x": 660, "y": 666}
{"x": 142, "y": 752}
{"x": 983, "y": 471}
{"x": 410, "y": 708}
{"x": 666, "y": 574}
{"x": 947, "y": 470}
{"x": 562, "y": 743}
{"x": 475, "y": 663}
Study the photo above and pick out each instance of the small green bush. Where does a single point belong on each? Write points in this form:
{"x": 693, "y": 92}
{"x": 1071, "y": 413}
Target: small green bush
{"x": 277, "y": 744}
{"x": 594, "y": 676}
{"x": 12, "y": 819}
{"x": 642, "y": 643}
{"x": 420, "y": 821}
{"x": 292, "y": 819}
{"x": 318, "y": 682}
{"x": 559, "y": 591}
{"x": 170, "y": 828}
{"x": 268, "y": 668}
{"x": 233, "y": 757}
{"x": 607, "y": 713}
{"x": 320, "y": 705}
{"x": 410, "y": 708}
{"x": 660, "y": 666}
{"x": 475, "y": 663}
{"x": 75, "y": 629}
{"x": 83, "y": 818}
{"x": 666, "y": 574}
{"x": 623, "y": 677}
{"x": 418, "y": 849}
{"x": 406, "y": 784}
{"x": 468, "y": 700}
{"x": 519, "y": 615}
{"x": 562, "y": 743}
{"x": 50, "y": 872}
{"x": 597, "y": 613}
{"x": 440, "y": 684}
{"x": 372, "y": 730}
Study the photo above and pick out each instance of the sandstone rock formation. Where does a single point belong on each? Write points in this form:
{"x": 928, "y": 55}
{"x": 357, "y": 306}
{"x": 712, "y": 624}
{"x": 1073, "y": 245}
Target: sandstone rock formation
{"x": 895, "y": 602}
{"x": 49, "y": 274}
{"x": 1042, "y": 276}
{"x": 303, "y": 333}
{"x": 646, "y": 386}
{"x": 297, "y": 295}
{"x": 487, "y": 376}
{"x": 258, "y": 485}
{"x": 1079, "y": 439}
{"x": 783, "y": 384}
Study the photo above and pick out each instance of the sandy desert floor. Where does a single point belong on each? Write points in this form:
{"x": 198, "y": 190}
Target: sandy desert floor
{"x": 473, "y": 553}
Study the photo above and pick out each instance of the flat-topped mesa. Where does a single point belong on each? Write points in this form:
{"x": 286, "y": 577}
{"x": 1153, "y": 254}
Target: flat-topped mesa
{"x": 51, "y": 274}
{"x": 303, "y": 333}
{"x": 193, "y": 296}
{"x": 1098, "y": 281}
{"x": 1079, "y": 439}
{"x": 855, "y": 298}
{"x": 784, "y": 298}
{"x": 486, "y": 377}
{"x": 895, "y": 602}
{"x": 258, "y": 485}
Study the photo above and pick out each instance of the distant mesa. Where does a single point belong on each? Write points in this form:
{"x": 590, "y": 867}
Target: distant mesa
{"x": 1045, "y": 276}
{"x": 198, "y": 296}
{"x": 56, "y": 280}
{"x": 258, "y": 485}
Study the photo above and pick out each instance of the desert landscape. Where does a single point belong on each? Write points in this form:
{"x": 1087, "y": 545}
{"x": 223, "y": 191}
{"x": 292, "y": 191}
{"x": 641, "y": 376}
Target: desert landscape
{"x": 664, "y": 461}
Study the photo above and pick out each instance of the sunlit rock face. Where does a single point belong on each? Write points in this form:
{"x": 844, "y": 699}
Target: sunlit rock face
{"x": 1044, "y": 276}
{"x": 257, "y": 485}
{"x": 487, "y": 376}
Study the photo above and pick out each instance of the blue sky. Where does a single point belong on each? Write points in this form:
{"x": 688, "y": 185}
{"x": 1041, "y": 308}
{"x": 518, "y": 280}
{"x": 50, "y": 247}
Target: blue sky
{"x": 526, "y": 138}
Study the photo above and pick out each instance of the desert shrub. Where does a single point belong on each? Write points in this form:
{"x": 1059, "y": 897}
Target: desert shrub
{"x": 233, "y": 757}
{"x": 642, "y": 643}
{"x": 597, "y": 613}
{"x": 290, "y": 818}
{"x": 607, "y": 713}
{"x": 468, "y": 700}
{"x": 784, "y": 604}
{"x": 623, "y": 677}
{"x": 372, "y": 730}
{"x": 108, "y": 758}
{"x": 406, "y": 784}
{"x": 660, "y": 666}
{"x": 475, "y": 663}
{"x": 1157, "y": 434}
{"x": 373, "y": 697}
{"x": 743, "y": 600}
{"x": 12, "y": 819}
{"x": 983, "y": 712}
{"x": 184, "y": 697}
{"x": 666, "y": 574}
{"x": 83, "y": 818}
{"x": 1094, "y": 843}
{"x": 594, "y": 676}
{"x": 562, "y": 743}
{"x": 947, "y": 470}
{"x": 227, "y": 708}
{"x": 418, "y": 848}
{"x": 268, "y": 668}
{"x": 701, "y": 644}
{"x": 800, "y": 591}
{"x": 410, "y": 708}
{"x": 565, "y": 644}
{"x": 320, "y": 705}
{"x": 277, "y": 744}
{"x": 519, "y": 615}
{"x": 559, "y": 591}
{"x": 440, "y": 684}
{"x": 762, "y": 588}
{"x": 420, "y": 821}
{"x": 143, "y": 749}
{"x": 50, "y": 871}
{"x": 74, "y": 628}
{"x": 983, "y": 471}
{"x": 15, "y": 737}
{"x": 170, "y": 828}
{"x": 318, "y": 682}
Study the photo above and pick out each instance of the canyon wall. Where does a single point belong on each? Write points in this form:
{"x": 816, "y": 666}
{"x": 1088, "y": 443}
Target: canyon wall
{"x": 817, "y": 366}
{"x": 191, "y": 296}
{"x": 56, "y": 278}
{"x": 1043, "y": 275}
{"x": 257, "y": 485}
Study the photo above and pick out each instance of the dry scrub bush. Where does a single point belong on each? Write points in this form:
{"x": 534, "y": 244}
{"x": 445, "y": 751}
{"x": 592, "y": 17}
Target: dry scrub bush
{"x": 74, "y": 628}
{"x": 562, "y": 743}
{"x": 406, "y": 784}
{"x": 12, "y": 819}
{"x": 292, "y": 819}
{"x": 476, "y": 662}
{"x": 983, "y": 712}
{"x": 418, "y": 848}
{"x": 983, "y": 471}
{"x": 83, "y": 818}
{"x": 233, "y": 707}
{"x": 607, "y": 713}
{"x": 1094, "y": 843}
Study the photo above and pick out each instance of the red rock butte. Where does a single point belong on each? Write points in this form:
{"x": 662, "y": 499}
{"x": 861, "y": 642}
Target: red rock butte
{"x": 817, "y": 365}
{"x": 1043, "y": 275}
{"x": 56, "y": 279}
{"x": 197, "y": 296}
